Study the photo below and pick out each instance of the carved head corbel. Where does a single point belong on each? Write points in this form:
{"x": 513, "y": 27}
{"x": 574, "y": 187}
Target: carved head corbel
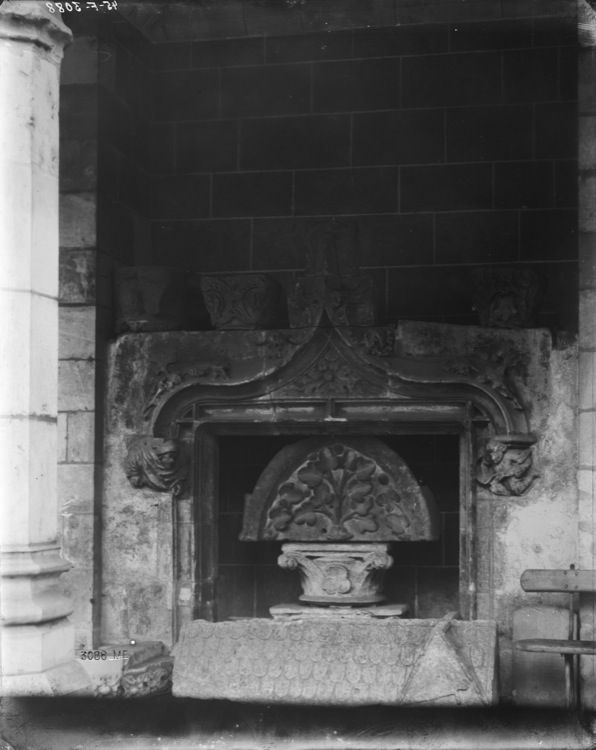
{"x": 157, "y": 464}
{"x": 506, "y": 465}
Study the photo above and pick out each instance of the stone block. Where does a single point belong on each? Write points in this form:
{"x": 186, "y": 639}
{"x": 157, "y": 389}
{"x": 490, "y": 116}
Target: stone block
{"x": 76, "y": 538}
{"x": 587, "y": 316}
{"x": 587, "y": 438}
{"x": 587, "y": 198}
{"x": 76, "y": 329}
{"x": 75, "y": 487}
{"x": 539, "y": 679}
{"x": 252, "y": 194}
{"x": 322, "y": 661}
{"x": 587, "y": 380}
{"x": 306, "y": 142}
{"x": 489, "y": 132}
{"x": 172, "y": 100}
{"x": 77, "y": 276}
{"x": 181, "y": 196}
{"x": 78, "y": 165}
{"x": 29, "y": 477}
{"x": 200, "y": 146}
{"x": 406, "y": 137}
{"x": 258, "y": 91}
{"x": 548, "y": 235}
{"x": 226, "y": 53}
{"x": 446, "y": 187}
{"x": 486, "y": 236}
{"x": 356, "y": 85}
{"x": 556, "y": 130}
{"x": 36, "y": 648}
{"x": 78, "y": 215}
{"x": 346, "y": 191}
{"x": 29, "y": 340}
{"x": 587, "y": 142}
{"x": 524, "y": 185}
{"x": 78, "y": 586}
{"x": 400, "y": 40}
{"x": 202, "y": 245}
{"x": 79, "y": 65}
{"x": 76, "y": 385}
{"x": 81, "y": 437}
{"x": 530, "y": 75}
{"x": 566, "y": 184}
{"x": 449, "y": 80}
{"x": 62, "y": 437}
{"x": 306, "y": 47}
{"x": 172, "y": 55}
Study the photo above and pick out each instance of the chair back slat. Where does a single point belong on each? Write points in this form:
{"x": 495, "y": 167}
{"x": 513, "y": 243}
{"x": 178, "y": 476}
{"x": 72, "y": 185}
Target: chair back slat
{"x": 564, "y": 581}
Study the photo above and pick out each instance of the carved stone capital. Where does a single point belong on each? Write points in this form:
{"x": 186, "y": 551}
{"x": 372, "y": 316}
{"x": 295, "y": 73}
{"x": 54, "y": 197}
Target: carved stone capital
{"x": 241, "y": 301}
{"x": 347, "y": 574}
{"x": 506, "y": 465}
{"x": 157, "y": 464}
{"x": 507, "y": 297}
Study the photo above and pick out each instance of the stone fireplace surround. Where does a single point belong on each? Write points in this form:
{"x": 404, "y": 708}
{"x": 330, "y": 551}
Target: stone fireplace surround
{"x": 160, "y": 544}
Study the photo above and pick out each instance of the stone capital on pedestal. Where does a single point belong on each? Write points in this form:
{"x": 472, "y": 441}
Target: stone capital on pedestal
{"x": 348, "y": 574}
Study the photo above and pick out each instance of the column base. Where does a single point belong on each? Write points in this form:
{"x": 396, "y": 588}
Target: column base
{"x": 66, "y": 679}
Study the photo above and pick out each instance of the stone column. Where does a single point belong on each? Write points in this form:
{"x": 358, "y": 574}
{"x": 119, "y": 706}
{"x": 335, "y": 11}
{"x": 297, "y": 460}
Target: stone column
{"x": 37, "y": 638}
{"x": 587, "y": 331}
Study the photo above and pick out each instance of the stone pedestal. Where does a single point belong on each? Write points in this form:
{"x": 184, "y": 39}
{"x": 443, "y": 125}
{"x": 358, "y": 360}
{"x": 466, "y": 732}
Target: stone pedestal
{"x": 338, "y": 661}
{"x": 37, "y": 639}
{"x": 348, "y": 574}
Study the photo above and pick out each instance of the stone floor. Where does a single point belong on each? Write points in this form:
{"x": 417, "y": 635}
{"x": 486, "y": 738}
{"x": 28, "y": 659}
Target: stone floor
{"x": 182, "y": 724}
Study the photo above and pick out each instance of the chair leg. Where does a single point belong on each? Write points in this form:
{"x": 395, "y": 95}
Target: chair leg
{"x": 569, "y": 691}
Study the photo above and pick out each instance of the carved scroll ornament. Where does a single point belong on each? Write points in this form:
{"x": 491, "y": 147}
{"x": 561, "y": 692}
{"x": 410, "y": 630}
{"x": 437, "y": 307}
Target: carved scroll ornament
{"x": 506, "y": 466}
{"x": 157, "y": 464}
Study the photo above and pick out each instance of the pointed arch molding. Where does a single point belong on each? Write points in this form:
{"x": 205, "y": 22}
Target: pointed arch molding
{"x": 342, "y": 368}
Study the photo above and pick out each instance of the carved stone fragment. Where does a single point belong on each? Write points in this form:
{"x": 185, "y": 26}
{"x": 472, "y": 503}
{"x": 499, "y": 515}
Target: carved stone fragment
{"x": 332, "y": 490}
{"x": 507, "y": 297}
{"x": 148, "y": 672}
{"x": 173, "y": 376}
{"x": 149, "y": 298}
{"x": 157, "y": 464}
{"x": 243, "y": 301}
{"x": 338, "y": 661}
{"x": 349, "y": 574}
{"x": 505, "y": 466}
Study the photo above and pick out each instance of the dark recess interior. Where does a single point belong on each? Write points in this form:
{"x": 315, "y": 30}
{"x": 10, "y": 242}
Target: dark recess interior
{"x": 425, "y": 575}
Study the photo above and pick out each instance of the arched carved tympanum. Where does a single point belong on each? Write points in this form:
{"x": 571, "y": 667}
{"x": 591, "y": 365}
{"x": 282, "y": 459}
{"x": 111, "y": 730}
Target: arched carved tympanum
{"x": 356, "y": 490}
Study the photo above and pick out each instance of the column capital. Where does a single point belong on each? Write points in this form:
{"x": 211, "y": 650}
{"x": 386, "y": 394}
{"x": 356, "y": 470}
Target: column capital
{"x": 26, "y": 21}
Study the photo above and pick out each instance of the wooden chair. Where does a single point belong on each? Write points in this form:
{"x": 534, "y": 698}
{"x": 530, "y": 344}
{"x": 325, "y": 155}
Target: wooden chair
{"x": 572, "y": 582}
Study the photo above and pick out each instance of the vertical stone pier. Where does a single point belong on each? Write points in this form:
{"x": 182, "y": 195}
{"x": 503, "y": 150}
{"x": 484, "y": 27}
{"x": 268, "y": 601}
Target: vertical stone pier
{"x": 587, "y": 332}
{"x": 37, "y": 638}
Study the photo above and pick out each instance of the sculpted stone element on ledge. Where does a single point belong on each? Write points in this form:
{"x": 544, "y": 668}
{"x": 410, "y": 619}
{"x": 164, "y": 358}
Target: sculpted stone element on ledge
{"x": 241, "y": 301}
{"x": 507, "y": 297}
{"x": 157, "y": 464}
{"x": 506, "y": 465}
{"x": 349, "y": 574}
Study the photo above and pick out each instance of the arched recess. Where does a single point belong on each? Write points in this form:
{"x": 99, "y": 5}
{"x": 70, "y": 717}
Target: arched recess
{"x": 331, "y": 381}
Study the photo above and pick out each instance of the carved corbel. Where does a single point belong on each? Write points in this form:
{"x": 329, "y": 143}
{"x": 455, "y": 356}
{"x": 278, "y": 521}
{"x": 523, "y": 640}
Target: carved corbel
{"x": 506, "y": 465}
{"x": 157, "y": 464}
